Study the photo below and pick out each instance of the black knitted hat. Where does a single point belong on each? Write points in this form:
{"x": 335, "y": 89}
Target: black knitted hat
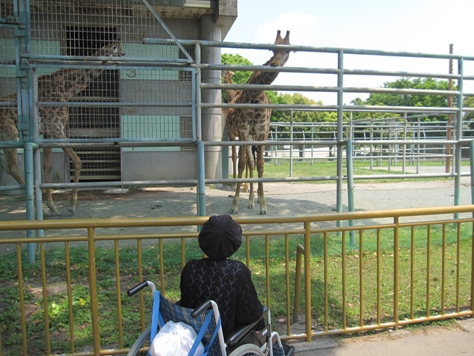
{"x": 220, "y": 237}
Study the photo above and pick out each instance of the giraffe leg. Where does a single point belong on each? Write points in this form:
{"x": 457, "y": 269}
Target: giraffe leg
{"x": 235, "y": 202}
{"x": 47, "y": 167}
{"x": 249, "y": 165}
{"x": 245, "y": 188}
{"x": 234, "y": 161}
{"x": 12, "y": 164}
{"x": 77, "y": 171}
{"x": 9, "y": 132}
{"x": 260, "y": 169}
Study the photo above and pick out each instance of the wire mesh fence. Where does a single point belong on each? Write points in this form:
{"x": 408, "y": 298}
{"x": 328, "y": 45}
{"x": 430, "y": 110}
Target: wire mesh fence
{"x": 83, "y": 88}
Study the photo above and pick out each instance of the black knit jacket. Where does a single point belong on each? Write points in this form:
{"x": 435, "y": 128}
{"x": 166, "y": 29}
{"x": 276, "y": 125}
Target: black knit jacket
{"x": 228, "y": 283}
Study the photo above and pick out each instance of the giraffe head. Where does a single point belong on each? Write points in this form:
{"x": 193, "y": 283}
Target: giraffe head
{"x": 113, "y": 49}
{"x": 280, "y": 56}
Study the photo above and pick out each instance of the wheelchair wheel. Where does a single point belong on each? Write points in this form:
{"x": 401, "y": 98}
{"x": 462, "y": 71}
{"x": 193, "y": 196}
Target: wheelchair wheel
{"x": 247, "y": 349}
{"x": 143, "y": 340}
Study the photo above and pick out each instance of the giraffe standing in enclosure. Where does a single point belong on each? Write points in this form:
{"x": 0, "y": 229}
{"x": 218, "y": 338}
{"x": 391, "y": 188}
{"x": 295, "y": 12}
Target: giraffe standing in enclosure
{"x": 59, "y": 86}
{"x": 231, "y": 125}
{"x": 230, "y": 122}
{"x": 254, "y": 123}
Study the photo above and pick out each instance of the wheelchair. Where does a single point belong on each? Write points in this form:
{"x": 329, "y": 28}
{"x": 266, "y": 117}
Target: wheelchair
{"x": 205, "y": 320}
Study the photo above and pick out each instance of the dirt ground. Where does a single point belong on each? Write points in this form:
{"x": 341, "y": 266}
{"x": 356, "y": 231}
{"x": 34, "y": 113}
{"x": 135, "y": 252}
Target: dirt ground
{"x": 283, "y": 199}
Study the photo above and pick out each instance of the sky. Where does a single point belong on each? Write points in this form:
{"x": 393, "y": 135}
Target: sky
{"x": 418, "y": 26}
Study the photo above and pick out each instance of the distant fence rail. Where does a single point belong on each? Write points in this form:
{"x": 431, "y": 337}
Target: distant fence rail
{"x": 360, "y": 271}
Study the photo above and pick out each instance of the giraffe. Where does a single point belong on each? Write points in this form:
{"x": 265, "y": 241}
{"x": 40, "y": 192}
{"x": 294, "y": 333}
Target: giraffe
{"x": 230, "y": 123}
{"x": 59, "y": 86}
{"x": 231, "y": 128}
{"x": 253, "y": 124}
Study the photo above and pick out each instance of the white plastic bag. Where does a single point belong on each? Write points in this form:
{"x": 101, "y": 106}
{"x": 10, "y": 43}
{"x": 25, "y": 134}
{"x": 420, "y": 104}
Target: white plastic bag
{"x": 175, "y": 339}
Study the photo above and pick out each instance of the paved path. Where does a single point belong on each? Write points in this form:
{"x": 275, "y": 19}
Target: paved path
{"x": 430, "y": 340}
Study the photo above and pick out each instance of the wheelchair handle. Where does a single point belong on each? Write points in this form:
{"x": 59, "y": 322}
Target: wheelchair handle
{"x": 137, "y": 288}
{"x": 204, "y": 306}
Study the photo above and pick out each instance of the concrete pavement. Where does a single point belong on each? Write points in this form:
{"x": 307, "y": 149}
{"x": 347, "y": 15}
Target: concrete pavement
{"x": 454, "y": 340}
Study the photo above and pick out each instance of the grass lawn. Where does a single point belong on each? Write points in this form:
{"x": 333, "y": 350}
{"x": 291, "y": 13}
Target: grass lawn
{"x": 429, "y": 280}
{"x": 323, "y": 167}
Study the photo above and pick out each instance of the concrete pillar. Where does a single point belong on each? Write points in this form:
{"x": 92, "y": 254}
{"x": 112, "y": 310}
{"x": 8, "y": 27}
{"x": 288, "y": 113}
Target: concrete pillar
{"x": 212, "y": 121}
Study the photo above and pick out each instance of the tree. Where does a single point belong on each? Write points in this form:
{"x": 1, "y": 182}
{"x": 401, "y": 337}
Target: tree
{"x": 303, "y": 116}
{"x": 240, "y": 77}
{"x": 468, "y": 118}
{"x": 416, "y": 100}
{"x": 410, "y": 100}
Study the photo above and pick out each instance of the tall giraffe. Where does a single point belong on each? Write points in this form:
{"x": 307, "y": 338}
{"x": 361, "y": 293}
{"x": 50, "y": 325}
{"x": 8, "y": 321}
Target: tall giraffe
{"x": 231, "y": 127}
{"x": 231, "y": 123}
{"x": 254, "y": 123}
{"x": 59, "y": 86}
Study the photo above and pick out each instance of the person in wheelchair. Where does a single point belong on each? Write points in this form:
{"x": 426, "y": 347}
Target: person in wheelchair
{"x": 216, "y": 277}
{"x": 218, "y": 301}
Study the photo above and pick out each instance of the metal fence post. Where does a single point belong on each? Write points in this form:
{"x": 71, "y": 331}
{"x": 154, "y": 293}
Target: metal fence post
{"x": 201, "y": 167}
{"x": 93, "y": 291}
{"x": 458, "y": 147}
{"x": 307, "y": 279}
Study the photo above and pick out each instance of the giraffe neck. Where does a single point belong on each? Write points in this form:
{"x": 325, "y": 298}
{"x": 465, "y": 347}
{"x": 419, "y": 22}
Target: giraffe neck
{"x": 77, "y": 80}
{"x": 69, "y": 82}
{"x": 262, "y": 77}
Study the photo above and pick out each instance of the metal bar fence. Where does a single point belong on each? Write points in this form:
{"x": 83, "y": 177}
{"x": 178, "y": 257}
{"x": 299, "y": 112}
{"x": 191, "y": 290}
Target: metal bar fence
{"x": 406, "y": 266}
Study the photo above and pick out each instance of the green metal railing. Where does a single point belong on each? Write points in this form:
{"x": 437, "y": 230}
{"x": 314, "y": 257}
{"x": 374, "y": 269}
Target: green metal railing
{"x": 370, "y": 282}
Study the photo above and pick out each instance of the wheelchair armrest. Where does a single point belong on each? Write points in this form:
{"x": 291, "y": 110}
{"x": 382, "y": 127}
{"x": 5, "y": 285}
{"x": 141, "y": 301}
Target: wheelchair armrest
{"x": 239, "y": 331}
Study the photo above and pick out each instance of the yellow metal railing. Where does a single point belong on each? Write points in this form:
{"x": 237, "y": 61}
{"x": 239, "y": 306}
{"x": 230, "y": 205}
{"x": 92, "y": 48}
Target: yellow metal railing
{"x": 348, "y": 273}
{"x": 459, "y": 309}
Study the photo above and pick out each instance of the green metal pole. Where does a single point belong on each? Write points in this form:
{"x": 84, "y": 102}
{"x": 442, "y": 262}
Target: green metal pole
{"x": 201, "y": 170}
{"x": 37, "y": 157}
{"x": 307, "y": 280}
{"x": 340, "y": 117}
{"x": 24, "y": 76}
{"x": 458, "y": 147}
{"x": 350, "y": 186}
{"x": 29, "y": 196}
{"x": 471, "y": 158}
{"x": 275, "y": 147}
{"x": 291, "y": 139}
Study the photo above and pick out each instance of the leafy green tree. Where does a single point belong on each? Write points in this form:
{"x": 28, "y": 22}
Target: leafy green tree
{"x": 408, "y": 99}
{"x": 239, "y": 77}
{"x": 303, "y": 116}
{"x": 416, "y": 100}
{"x": 468, "y": 118}
{"x": 411, "y": 99}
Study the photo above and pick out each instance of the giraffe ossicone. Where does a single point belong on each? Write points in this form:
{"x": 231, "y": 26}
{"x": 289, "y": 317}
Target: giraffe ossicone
{"x": 59, "y": 86}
